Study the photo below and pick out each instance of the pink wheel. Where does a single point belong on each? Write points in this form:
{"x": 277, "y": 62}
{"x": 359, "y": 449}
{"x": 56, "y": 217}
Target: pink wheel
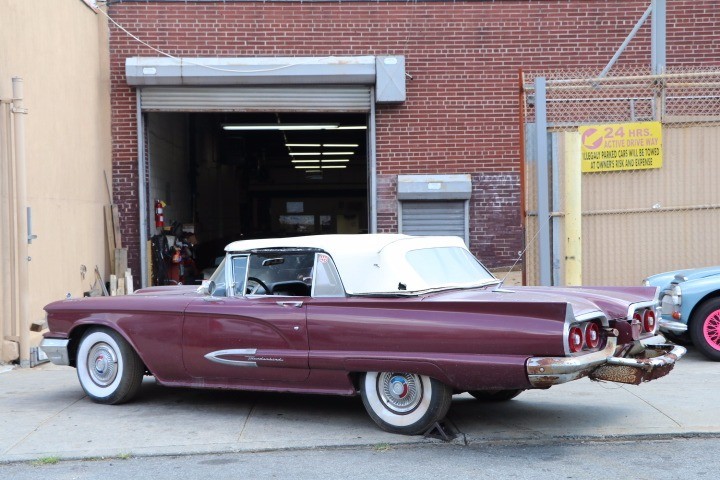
{"x": 711, "y": 330}
{"x": 704, "y": 328}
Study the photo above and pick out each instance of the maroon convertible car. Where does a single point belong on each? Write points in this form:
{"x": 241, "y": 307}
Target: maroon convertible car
{"x": 404, "y": 321}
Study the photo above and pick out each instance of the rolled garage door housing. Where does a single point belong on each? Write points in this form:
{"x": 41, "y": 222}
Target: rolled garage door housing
{"x": 267, "y": 83}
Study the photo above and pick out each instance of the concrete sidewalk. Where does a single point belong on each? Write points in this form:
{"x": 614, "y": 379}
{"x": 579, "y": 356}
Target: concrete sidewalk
{"x": 44, "y": 413}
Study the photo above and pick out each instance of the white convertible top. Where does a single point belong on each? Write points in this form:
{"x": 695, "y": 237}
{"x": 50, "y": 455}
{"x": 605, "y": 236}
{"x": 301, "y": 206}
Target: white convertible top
{"x": 367, "y": 263}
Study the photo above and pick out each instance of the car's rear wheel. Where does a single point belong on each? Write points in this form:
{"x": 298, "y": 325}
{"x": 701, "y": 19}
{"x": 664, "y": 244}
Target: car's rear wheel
{"x": 404, "y": 402}
{"x": 495, "y": 395}
{"x": 108, "y": 368}
{"x": 705, "y": 329}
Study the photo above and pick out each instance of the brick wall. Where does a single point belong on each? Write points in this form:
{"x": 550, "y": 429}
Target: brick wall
{"x": 461, "y": 113}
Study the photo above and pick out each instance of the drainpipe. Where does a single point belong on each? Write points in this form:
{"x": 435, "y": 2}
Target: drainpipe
{"x": 7, "y": 235}
{"x": 22, "y": 214}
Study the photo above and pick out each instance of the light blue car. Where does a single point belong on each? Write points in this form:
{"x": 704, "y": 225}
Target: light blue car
{"x": 690, "y": 306}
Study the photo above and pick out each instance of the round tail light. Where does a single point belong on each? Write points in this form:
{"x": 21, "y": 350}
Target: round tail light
{"x": 592, "y": 335}
{"x": 575, "y": 339}
{"x": 649, "y": 321}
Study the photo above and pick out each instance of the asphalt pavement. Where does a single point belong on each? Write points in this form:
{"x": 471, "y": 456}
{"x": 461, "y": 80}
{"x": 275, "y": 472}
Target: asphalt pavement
{"x": 44, "y": 413}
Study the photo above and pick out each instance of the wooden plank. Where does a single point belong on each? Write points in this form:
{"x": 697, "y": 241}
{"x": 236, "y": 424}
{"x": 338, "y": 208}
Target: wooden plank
{"x": 120, "y": 262}
{"x": 128, "y": 282}
{"x": 116, "y": 226}
{"x": 99, "y": 279}
{"x": 110, "y": 229}
{"x": 121, "y": 286}
{"x": 109, "y": 189}
{"x": 113, "y": 285}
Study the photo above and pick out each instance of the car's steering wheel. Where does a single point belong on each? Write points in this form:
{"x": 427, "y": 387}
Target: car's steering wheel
{"x": 252, "y": 289}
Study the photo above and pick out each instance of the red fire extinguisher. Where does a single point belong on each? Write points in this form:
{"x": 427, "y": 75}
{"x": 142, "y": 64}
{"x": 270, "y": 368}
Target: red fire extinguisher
{"x": 159, "y": 217}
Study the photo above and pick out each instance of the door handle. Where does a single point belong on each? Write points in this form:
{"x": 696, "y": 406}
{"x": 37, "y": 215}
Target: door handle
{"x": 290, "y": 304}
{"x": 210, "y": 298}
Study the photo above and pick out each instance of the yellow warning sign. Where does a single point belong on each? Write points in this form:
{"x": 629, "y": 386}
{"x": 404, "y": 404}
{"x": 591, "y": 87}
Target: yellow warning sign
{"x": 621, "y": 146}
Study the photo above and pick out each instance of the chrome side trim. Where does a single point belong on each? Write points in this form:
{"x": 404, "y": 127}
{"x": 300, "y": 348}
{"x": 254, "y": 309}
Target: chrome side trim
{"x": 673, "y": 326}
{"x": 248, "y": 352}
{"x": 56, "y": 350}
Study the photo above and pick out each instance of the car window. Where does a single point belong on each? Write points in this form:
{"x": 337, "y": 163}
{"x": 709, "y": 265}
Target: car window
{"x": 239, "y": 269}
{"x": 280, "y": 273}
{"x": 327, "y": 282}
{"x": 447, "y": 266}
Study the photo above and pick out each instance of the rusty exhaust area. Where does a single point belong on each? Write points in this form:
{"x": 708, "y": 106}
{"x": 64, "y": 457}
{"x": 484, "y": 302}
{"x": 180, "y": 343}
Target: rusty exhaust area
{"x": 651, "y": 362}
{"x": 656, "y": 362}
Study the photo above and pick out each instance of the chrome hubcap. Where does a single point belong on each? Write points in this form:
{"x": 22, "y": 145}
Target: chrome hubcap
{"x": 400, "y": 392}
{"x": 102, "y": 364}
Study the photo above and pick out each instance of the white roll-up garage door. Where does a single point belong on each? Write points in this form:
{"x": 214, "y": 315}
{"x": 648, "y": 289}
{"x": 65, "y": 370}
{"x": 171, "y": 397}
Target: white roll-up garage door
{"x": 325, "y": 98}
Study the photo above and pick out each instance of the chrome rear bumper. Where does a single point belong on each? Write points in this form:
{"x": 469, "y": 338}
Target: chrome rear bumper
{"x": 656, "y": 359}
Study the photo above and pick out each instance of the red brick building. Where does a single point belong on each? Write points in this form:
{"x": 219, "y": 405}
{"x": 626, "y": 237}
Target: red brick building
{"x": 459, "y": 115}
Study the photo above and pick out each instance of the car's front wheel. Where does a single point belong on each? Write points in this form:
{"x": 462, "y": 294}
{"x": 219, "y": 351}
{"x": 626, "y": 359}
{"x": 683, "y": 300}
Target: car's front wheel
{"x": 404, "y": 403}
{"x": 705, "y": 329}
{"x": 108, "y": 368}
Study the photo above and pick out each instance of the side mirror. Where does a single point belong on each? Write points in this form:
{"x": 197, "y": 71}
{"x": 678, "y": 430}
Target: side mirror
{"x": 206, "y": 288}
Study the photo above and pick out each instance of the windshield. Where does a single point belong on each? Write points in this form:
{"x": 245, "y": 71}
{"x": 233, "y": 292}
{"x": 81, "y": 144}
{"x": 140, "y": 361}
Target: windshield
{"x": 448, "y": 266}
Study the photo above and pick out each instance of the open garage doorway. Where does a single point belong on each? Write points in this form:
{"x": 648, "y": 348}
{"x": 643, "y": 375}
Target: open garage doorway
{"x": 228, "y": 176}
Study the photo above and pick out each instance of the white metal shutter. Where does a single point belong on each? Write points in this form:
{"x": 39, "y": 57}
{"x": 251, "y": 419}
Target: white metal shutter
{"x": 434, "y": 218}
{"x": 323, "y": 98}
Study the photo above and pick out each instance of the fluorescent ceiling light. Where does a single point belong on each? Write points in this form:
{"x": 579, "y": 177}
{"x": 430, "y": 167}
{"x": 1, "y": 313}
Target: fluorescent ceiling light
{"x": 336, "y": 153}
{"x": 316, "y": 145}
{"x": 306, "y": 167}
{"x": 278, "y": 126}
{"x": 352, "y": 127}
{"x": 305, "y": 161}
{"x": 335, "y": 160}
{"x": 306, "y": 154}
{"x": 339, "y": 145}
{"x": 333, "y": 166}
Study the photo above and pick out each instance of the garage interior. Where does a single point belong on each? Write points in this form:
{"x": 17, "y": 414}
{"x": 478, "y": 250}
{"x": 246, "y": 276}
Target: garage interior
{"x": 229, "y": 176}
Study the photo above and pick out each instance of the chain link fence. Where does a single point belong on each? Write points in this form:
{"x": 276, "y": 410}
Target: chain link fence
{"x": 650, "y": 200}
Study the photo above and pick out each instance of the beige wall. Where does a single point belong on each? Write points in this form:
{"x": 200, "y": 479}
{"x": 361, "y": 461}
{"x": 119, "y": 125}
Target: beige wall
{"x": 642, "y": 222}
{"x": 60, "y": 49}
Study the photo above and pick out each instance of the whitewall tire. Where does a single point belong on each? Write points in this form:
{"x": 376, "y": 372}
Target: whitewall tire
{"x": 108, "y": 368}
{"x": 404, "y": 402}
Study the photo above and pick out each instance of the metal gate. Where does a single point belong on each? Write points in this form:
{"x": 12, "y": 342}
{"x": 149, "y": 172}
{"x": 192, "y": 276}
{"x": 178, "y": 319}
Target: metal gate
{"x": 635, "y": 221}
{"x": 434, "y": 218}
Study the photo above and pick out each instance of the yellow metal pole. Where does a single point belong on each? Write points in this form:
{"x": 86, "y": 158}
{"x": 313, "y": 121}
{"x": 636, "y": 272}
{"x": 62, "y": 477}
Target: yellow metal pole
{"x": 573, "y": 209}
